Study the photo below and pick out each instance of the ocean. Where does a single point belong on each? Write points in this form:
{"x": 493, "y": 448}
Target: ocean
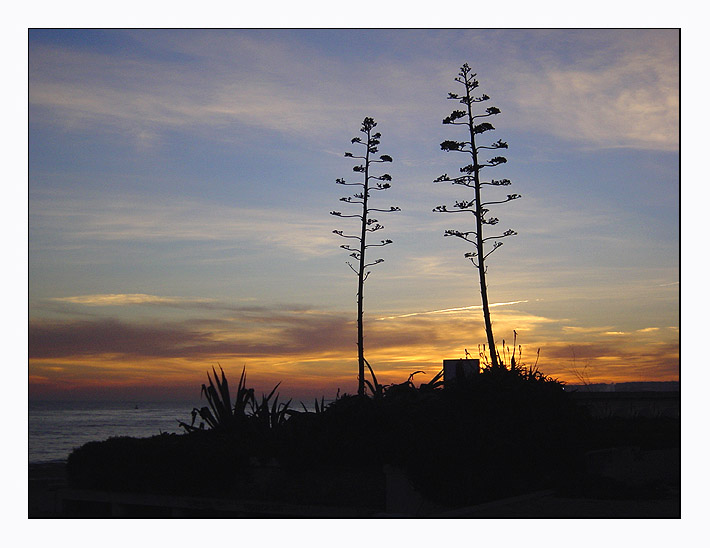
{"x": 56, "y": 428}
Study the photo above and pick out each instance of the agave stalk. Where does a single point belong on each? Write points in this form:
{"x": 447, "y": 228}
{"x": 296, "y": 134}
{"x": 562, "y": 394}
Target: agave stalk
{"x": 473, "y": 181}
{"x": 370, "y": 185}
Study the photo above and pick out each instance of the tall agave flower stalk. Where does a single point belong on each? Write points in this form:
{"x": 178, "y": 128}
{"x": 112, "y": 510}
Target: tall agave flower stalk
{"x": 370, "y": 184}
{"x": 471, "y": 178}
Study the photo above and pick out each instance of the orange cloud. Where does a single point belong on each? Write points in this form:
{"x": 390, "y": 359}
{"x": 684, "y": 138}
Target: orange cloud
{"x": 314, "y": 353}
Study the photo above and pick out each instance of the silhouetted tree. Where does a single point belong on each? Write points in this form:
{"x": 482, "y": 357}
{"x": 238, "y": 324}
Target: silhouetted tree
{"x": 369, "y": 184}
{"x": 471, "y": 178}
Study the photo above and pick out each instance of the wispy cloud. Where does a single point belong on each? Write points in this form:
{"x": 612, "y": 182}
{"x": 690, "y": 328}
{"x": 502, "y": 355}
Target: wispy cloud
{"x": 225, "y": 80}
{"x": 123, "y": 299}
{"x": 139, "y": 219}
{"x": 625, "y": 98}
{"x": 276, "y": 332}
{"x": 225, "y": 311}
{"x": 248, "y": 333}
{"x": 601, "y": 331}
{"x": 584, "y": 330}
{"x": 622, "y": 93}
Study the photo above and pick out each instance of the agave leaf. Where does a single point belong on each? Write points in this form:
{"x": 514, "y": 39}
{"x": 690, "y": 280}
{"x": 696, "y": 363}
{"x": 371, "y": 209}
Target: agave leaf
{"x": 193, "y": 413}
{"x": 244, "y": 395}
{"x": 411, "y": 376}
{"x": 213, "y": 399}
{"x": 436, "y": 380}
{"x": 208, "y": 395}
{"x": 273, "y": 415}
{"x": 224, "y": 389}
{"x": 188, "y": 427}
{"x": 222, "y": 404}
{"x": 260, "y": 410}
{"x": 249, "y": 399}
{"x": 243, "y": 378}
{"x": 272, "y": 392}
{"x": 283, "y": 411}
{"x": 374, "y": 378}
{"x": 208, "y": 417}
{"x": 241, "y": 401}
{"x": 211, "y": 394}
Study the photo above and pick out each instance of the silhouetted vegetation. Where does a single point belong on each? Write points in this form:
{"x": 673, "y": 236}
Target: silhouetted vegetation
{"x": 497, "y": 435}
{"x": 471, "y": 178}
{"x": 204, "y": 462}
{"x": 246, "y": 413}
{"x": 504, "y": 432}
{"x": 370, "y": 183}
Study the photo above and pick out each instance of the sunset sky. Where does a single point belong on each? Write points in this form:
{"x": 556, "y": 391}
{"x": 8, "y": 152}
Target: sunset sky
{"x": 180, "y": 184}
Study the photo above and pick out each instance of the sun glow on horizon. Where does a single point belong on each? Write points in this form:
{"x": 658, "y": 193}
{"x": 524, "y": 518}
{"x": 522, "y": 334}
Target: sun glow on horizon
{"x": 311, "y": 352}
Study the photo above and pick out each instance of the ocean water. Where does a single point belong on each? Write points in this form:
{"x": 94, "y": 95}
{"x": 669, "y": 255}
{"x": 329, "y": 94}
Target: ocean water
{"x": 56, "y": 428}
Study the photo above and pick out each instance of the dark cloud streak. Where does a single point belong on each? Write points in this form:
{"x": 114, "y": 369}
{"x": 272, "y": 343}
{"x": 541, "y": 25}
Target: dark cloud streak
{"x": 262, "y": 332}
{"x": 288, "y": 334}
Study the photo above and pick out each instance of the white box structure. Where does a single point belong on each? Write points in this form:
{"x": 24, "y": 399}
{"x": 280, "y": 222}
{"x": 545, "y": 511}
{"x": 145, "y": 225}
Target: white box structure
{"x": 460, "y": 369}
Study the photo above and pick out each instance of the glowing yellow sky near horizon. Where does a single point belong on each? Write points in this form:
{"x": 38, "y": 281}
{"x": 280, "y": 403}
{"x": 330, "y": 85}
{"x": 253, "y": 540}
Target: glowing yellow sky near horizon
{"x": 396, "y": 347}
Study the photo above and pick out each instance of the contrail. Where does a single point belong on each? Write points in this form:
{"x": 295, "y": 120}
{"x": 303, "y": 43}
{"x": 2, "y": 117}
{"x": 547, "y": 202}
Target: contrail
{"x": 448, "y": 310}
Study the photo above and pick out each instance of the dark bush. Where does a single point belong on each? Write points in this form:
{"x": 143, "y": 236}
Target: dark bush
{"x": 200, "y": 463}
{"x": 498, "y": 435}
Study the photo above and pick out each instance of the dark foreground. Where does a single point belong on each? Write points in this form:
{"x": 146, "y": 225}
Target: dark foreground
{"x": 504, "y": 444}
{"x": 51, "y": 497}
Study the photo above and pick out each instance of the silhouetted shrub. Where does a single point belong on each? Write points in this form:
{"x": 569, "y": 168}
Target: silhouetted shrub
{"x": 197, "y": 464}
{"x": 500, "y": 434}
{"x": 642, "y": 432}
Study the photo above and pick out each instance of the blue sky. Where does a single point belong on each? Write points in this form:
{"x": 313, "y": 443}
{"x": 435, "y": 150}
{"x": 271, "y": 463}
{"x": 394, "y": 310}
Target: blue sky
{"x": 180, "y": 184}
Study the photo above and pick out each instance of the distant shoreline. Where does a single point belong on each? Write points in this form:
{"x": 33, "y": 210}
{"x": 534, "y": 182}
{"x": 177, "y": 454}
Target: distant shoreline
{"x": 635, "y": 386}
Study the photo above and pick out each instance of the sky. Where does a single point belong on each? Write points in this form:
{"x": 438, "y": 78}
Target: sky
{"x": 180, "y": 184}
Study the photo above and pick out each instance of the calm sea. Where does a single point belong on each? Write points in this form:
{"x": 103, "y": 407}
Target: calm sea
{"x": 56, "y": 428}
